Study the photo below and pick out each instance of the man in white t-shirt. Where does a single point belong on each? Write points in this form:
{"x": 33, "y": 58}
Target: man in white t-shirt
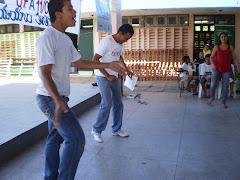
{"x": 55, "y": 53}
{"x": 205, "y": 74}
{"x": 109, "y": 83}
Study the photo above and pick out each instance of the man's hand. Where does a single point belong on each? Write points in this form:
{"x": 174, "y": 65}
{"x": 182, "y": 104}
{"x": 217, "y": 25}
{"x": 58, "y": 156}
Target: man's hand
{"x": 116, "y": 66}
{"x": 60, "y": 106}
{"x": 112, "y": 78}
{"x": 130, "y": 74}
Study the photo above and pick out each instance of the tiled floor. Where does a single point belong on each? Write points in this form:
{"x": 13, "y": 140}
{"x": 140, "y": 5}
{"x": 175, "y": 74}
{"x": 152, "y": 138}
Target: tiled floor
{"x": 171, "y": 138}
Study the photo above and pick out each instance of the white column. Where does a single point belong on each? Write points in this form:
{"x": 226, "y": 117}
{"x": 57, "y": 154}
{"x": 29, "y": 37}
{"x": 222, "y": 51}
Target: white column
{"x": 191, "y": 36}
{"x": 95, "y": 35}
{"x": 237, "y": 35}
{"x": 116, "y": 15}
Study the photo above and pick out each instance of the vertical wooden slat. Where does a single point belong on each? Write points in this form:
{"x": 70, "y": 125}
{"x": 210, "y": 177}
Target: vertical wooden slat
{"x": 148, "y": 38}
{"x": 142, "y": 39}
{"x": 156, "y": 38}
{"x": 181, "y": 38}
{"x": 137, "y": 38}
{"x": 172, "y": 38}
{"x": 164, "y": 38}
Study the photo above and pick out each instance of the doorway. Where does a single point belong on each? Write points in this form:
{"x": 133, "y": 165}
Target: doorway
{"x": 204, "y": 27}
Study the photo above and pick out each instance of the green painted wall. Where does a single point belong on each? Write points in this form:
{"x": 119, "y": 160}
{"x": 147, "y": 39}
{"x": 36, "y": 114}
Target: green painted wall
{"x": 86, "y": 43}
{"x": 86, "y": 48}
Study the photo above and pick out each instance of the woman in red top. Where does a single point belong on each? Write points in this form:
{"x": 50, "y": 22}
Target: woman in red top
{"x": 221, "y": 65}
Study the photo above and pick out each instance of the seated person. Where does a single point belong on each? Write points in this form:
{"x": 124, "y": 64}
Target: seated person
{"x": 206, "y": 50}
{"x": 200, "y": 59}
{"x": 204, "y": 77}
{"x": 210, "y": 44}
{"x": 185, "y": 74}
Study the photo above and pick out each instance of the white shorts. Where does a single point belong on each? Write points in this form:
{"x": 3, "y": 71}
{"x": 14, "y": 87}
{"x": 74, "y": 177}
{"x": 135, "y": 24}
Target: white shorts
{"x": 184, "y": 78}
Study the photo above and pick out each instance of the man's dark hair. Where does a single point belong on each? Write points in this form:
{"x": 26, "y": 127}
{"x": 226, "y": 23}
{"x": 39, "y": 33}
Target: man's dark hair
{"x": 208, "y": 55}
{"x": 55, "y": 6}
{"x": 185, "y": 58}
{"x": 126, "y": 28}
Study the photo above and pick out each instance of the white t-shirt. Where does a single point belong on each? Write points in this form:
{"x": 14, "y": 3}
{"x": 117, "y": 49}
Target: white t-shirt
{"x": 56, "y": 48}
{"x": 110, "y": 51}
{"x": 205, "y": 68}
{"x": 184, "y": 67}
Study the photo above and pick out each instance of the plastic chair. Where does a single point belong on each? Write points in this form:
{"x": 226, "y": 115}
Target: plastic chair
{"x": 200, "y": 86}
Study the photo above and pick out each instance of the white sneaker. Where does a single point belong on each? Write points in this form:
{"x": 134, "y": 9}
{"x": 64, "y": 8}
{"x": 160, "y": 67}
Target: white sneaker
{"x": 97, "y": 137}
{"x": 120, "y": 133}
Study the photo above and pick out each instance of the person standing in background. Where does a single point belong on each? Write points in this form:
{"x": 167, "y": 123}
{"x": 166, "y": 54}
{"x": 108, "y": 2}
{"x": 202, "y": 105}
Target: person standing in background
{"x": 109, "y": 82}
{"x": 221, "y": 66}
{"x": 210, "y": 44}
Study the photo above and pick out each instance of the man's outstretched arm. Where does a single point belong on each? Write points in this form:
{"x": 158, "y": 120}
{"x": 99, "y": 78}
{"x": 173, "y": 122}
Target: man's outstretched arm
{"x": 115, "y": 65}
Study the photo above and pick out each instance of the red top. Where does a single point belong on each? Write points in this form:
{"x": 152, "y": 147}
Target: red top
{"x": 223, "y": 60}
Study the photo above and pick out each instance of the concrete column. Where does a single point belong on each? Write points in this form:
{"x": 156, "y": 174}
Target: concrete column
{"x": 116, "y": 15}
{"x": 21, "y": 28}
{"x": 95, "y": 35}
{"x": 237, "y": 35}
{"x": 191, "y": 36}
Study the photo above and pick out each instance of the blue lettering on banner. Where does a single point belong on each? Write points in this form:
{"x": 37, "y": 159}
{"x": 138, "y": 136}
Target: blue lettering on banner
{"x": 31, "y": 5}
{"x": 17, "y": 15}
{"x": 42, "y": 20}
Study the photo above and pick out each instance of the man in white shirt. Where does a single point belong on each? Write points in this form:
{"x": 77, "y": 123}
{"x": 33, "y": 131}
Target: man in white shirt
{"x": 109, "y": 83}
{"x": 55, "y": 53}
{"x": 205, "y": 74}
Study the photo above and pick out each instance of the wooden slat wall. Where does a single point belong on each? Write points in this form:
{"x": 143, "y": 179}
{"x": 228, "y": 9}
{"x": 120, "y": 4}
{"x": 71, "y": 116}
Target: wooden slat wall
{"x": 7, "y": 49}
{"x": 155, "y": 53}
{"x": 154, "y": 64}
{"x": 156, "y": 38}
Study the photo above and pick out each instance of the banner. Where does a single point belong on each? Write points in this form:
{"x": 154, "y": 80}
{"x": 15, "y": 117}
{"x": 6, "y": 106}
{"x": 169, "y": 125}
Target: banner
{"x": 229, "y": 29}
{"x": 103, "y": 13}
{"x": 33, "y": 13}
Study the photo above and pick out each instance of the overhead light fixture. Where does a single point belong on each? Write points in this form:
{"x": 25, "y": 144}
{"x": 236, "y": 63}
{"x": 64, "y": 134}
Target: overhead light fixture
{"x": 236, "y": 2}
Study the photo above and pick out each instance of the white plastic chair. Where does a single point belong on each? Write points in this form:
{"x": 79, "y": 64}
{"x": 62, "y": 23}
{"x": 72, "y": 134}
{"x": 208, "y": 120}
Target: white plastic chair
{"x": 200, "y": 86}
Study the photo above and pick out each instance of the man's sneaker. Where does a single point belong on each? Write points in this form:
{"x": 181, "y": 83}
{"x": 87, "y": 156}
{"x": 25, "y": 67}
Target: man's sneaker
{"x": 97, "y": 137}
{"x": 120, "y": 133}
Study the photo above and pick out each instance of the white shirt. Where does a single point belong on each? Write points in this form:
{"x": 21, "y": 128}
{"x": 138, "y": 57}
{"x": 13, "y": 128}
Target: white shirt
{"x": 56, "y": 48}
{"x": 184, "y": 67}
{"x": 110, "y": 51}
{"x": 205, "y": 68}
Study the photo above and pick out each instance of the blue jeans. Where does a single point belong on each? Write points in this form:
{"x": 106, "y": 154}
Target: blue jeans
{"x": 70, "y": 131}
{"x": 111, "y": 97}
{"x": 215, "y": 78}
